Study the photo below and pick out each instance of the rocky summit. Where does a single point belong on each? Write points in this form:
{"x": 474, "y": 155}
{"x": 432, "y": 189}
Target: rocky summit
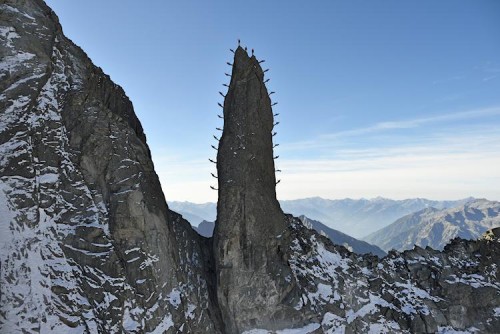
{"x": 248, "y": 243}
{"x": 89, "y": 245}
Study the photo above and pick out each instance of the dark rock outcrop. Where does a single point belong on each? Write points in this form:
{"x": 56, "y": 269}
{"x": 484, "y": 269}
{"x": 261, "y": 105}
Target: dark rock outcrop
{"x": 88, "y": 243}
{"x": 248, "y": 237}
{"x": 492, "y": 234}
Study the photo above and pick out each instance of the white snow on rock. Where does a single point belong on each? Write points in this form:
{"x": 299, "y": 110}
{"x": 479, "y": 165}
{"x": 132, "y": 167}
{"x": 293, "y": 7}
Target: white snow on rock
{"x": 6, "y": 221}
{"x": 164, "y": 325}
{"x": 302, "y": 330}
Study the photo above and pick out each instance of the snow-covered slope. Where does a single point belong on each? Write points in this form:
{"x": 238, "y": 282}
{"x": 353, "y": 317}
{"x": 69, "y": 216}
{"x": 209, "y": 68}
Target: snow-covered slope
{"x": 417, "y": 291}
{"x": 435, "y": 228}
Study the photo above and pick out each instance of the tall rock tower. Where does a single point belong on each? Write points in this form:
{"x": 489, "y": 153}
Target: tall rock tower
{"x": 252, "y": 275}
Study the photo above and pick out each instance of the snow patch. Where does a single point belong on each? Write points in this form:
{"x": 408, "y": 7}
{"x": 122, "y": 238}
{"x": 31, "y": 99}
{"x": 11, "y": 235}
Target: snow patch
{"x": 303, "y": 330}
{"x": 174, "y": 297}
{"x": 451, "y": 330}
{"x": 164, "y": 325}
{"x": 6, "y": 220}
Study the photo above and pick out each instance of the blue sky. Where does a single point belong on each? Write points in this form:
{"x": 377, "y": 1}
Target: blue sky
{"x": 376, "y": 98}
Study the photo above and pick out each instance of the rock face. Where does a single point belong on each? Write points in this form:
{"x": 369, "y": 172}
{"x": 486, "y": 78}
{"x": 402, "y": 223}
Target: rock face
{"x": 248, "y": 249}
{"x": 89, "y": 245}
{"x": 435, "y": 228}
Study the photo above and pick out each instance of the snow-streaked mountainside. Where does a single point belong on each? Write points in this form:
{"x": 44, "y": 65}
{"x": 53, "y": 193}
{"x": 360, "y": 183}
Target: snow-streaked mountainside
{"x": 89, "y": 245}
{"x": 435, "y": 228}
{"x": 87, "y": 242}
{"x": 356, "y": 217}
{"x": 206, "y": 229}
{"x": 360, "y": 217}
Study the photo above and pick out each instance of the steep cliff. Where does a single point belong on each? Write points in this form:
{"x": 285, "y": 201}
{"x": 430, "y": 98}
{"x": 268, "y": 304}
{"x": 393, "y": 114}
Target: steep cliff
{"x": 88, "y": 243}
{"x": 248, "y": 237}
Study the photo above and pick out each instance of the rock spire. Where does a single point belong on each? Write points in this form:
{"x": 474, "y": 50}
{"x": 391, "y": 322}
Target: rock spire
{"x": 250, "y": 222}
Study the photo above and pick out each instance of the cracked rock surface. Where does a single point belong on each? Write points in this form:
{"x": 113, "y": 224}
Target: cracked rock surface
{"x": 87, "y": 241}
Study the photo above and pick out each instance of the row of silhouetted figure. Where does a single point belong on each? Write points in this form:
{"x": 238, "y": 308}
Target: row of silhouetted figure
{"x": 221, "y": 116}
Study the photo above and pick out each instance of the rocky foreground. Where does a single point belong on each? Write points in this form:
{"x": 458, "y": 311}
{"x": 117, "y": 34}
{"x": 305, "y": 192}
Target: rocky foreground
{"x": 88, "y": 244}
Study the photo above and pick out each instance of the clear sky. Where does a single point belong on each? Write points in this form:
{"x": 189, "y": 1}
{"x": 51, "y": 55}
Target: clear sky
{"x": 376, "y": 98}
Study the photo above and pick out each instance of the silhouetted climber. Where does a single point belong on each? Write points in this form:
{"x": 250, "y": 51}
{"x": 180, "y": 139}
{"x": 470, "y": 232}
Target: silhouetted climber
{"x": 271, "y": 93}
{"x": 261, "y": 61}
{"x": 276, "y": 145}
{"x": 267, "y": 80}
{"x": 215, "y": 148}
{"x": 276, "y": 114}
{"x": 274, "y": 134}
{"x": 265, "y": 70}
{"x": 278, "y": 170}
{"x": 278, "y": 181}
{"x": 222, "y": 94}
{"x": 213, "y": 175}
{"x": 231, "y": 50}
{"x": 275, "y": 103}
{"x": 216, "y": 138}
{"x": 238, "y": 42}
{"x": 276, "y": 123}
{"x": 211, "y": 161}
{"x": 213, "y": 188}
{"x": 252, "y": 52}
{"x": 220, "y": 105}
{"x": 229, "y": 63}
{"x": 246, "y": 49}
{"x": 276, "y": 157}
{"x": 225, "y": 85}
{"x": 218, "y": 129}
{"x": 227, "y": 75}
{"x": 220, "y": 116}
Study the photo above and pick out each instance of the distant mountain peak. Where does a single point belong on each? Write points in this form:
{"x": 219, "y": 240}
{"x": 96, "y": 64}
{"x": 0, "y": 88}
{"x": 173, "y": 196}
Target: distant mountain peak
{"x": 436, "y": 227}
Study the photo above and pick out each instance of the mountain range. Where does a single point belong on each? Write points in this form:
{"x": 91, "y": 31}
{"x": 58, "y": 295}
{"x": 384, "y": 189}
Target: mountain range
{"x": 206, "y": 228}
{"x": 435, "y": 228}
{"x": 355, "y": 217}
